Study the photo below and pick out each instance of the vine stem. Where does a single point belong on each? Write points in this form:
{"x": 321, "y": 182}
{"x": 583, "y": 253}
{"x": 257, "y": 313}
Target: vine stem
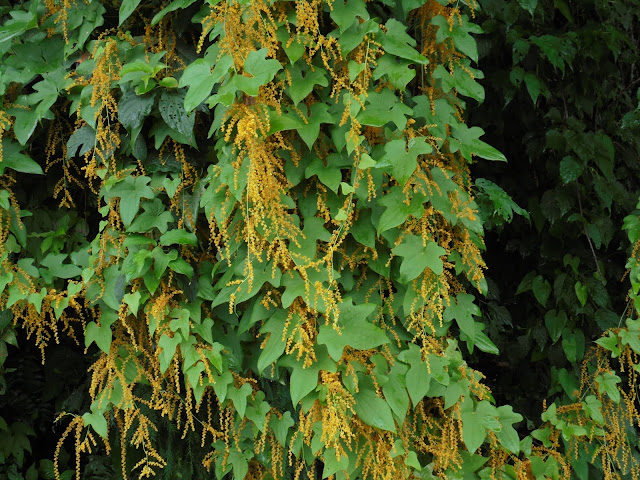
{"x": 584, "y": 229}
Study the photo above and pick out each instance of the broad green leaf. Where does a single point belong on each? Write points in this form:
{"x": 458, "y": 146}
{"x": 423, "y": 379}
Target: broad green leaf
{"x": 180, "y": 237}
{"x": 608, "y": 383}
{"x": 126, "y": 9}
{"x": 305, "y": 379}
{"x": 173, "y": 6}
{"x": 330, "y": 459}
{"x": 172, "y": 109}
{"x": 373, "y": 410}
{"x": 418, "y": 377}
{"x": 463, "y": 312}
{"x": 198, "y": 77}
{"x": 532, "y": 81}
{"x": 345, "y": 13}
{"x": 581, "y": 293}
{"x": 403, "y": 162}
{"x": 276, "y": 344}
{"x": 458, "y": 32}
{"x": 58, "y": 269}
{"x": 154, "y": 216}
{"x": 318, "y": 114}
{"x": 396, "y": 69}
{"x": 101, "y": 335}
{"x": 507, "y": 435}
{"x": 83, "y": 139}
{"x": 303, "y": 79}
{"x": 397, "y": 42}
{"x": 541, "y": 289}
{"x": 168, "y": 349}
{"x": 529, "y": 6}
{"x": 467, "y": 141}
{"x": 281, "y": 426}
{"x": 593, "y": 407}
{"x": 354, "y": 330}
{"x": 462, "y": 81}
{"x": 570, "y": 169}
{"x": 239, "y": 397}
{"x": 130, "y": 191}
{"x": 395, "y": 390}
{"x": 260, "y": 70}
{"x": 555, "y": 322}
{"x": 19, "y": 22}
{"x": 382, "y": 108}
{"x": 97, "y": 422}
{"x": 399, "y": 207}
{"x": 12, "y": 157}
{"x": 417, "y": 257}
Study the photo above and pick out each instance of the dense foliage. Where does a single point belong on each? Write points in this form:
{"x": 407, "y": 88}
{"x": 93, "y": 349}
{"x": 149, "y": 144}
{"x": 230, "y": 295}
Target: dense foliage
{"x": 246, "y": 239}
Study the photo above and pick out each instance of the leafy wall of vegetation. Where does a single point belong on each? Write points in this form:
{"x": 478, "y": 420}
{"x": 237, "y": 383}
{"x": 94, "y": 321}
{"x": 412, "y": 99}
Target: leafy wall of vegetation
{"x": 255, "y": 225}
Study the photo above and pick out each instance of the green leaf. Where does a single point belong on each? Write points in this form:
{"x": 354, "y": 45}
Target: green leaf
{"x": 473, "y": 430}
{"x": 172, "y": 110}
{"x": 130, "y": 191}
{"x": 418, "y": 377}
{"x": 463, "y": 312}
{"x": 281, "y": 426}
{"x": 97, "y": 422}
{"x": 484, "y": 343}
{"x": 330, "y": 458}
{"x": 261, "y": 71}
{"x": 198, "y": 77}
{"x": 384, "y": 107}
{"x": 403, "y": 162}
{"x": 632, "y": 225}
{"x": 461, "y": 80}
{"x": 318, "y": 114}
{"x": 607, "y": 383}
{"x": 541, "y": 289}
{"x": 570, "y": 169}
{"x": 397, "y": 42}
{"x": 373, "y": 410}
{"x": 180, "y": 237}
{"x": 555, "y": 322}
{"x": 581, "y": 292}
{"x": 102, "y": 334}
{"x": 126, "y": 9}
{"x": 396, "y": 69}
{"x": 239, "y": 397}
{"x": 12, "y": 157}
{"x": 302, "y": 85}
{"x": 467, "y": 141}
{"x": 173, "y": 6}
{"x": 276, "y": 344}
{"x": 507, "y": 435}
{"x": 54, "y": 263}
{"x": 345, "y": 13}
{"x": 532, "y": 81}
{"x": 593, "y": 407}
{"x": 417, "y": 257}
{"x": 19, "y": 22}
{"x": 395, "y": 390}
{"x": 132, "y": 110}
{"x": 458, "y": 32}
{"x": 84, "y": 139}
{"x": 305, "y": 379}
{"x": 167, "y": 346}
{"x": 354, "y": 330}
{"x": 399, "y": 208}
{"x": 154, "y": 216}
{"x": 529, "y": 6}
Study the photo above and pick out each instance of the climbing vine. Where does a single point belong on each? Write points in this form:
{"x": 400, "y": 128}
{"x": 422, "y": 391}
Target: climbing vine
{"x": 257, "y": 222}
